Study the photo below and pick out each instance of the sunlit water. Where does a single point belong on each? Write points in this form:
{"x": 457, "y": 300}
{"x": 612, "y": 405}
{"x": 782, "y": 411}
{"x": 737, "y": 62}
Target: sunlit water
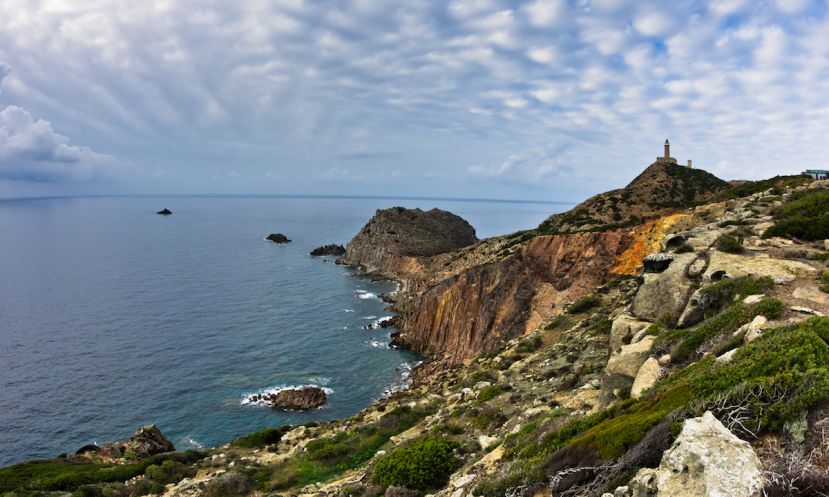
{"x": 112, "y": 317}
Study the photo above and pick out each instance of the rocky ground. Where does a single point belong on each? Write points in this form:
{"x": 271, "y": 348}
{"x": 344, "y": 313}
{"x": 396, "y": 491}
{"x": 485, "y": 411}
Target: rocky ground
{"x": 698, "y": 368}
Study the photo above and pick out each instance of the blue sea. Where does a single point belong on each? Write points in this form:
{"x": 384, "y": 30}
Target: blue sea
{"x": 113, "y": 317}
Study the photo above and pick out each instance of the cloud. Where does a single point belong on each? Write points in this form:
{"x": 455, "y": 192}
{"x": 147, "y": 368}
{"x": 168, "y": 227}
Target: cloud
{"x": 30, "y": 150}
{"x": 544, "y": 13}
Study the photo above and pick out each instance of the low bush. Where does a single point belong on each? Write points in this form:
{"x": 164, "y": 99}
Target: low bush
{"x": 424, "y": 464}
{"x": 261, "y": 438}
{"x": 231, "y": 484}
{"x": 584, "y": 304}
{"x": 729, "y": 244}
{"x": 824, "y": 281}
{"x": 684, "y": 249}
{"x": 804, "y": 216}
{"x": 489, "y": 393}
{"x": 529, "y": 345}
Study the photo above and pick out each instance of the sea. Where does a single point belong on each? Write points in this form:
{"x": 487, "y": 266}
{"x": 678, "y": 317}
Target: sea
{"x": 113, "y": 317}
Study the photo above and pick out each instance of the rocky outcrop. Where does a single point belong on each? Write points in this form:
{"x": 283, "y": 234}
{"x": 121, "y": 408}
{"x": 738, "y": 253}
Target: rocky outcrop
{"x": 292, "y": 399}
{"x": 664, "y": 295}
{"x": 277, "y": 238}
{"x": 647, "y": 377}
{"x": 147, "y": 441}
{"x": 330, "y": 249}
{"x": 706, "y": 460}
{"x": 658, "y": 262}
{"x": 470, "y": 312}
{"x": 395, "y": 234}
{"x": 165, "y": 212}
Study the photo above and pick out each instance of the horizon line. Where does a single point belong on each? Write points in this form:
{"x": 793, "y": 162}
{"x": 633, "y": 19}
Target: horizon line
{"x": 297, "y": 196}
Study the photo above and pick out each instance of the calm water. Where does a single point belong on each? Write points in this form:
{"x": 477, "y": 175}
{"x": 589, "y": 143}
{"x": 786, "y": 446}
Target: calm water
{"x": 112, "y": 317}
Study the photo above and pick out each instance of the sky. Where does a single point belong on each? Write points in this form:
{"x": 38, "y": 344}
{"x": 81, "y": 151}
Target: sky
{"x": 542, "y": 99}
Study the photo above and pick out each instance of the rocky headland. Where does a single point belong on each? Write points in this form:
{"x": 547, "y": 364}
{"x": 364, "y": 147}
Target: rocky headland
{"x": 665, "y": 339}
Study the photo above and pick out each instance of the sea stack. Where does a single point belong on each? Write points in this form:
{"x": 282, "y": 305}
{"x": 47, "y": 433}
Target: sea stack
{"x": 278, "y": 238}
{"x": 165, "y": 212}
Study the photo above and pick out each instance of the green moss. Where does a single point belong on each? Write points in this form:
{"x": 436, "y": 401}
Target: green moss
{"x": 529, "y": 345}
{"x": 724, "y": 292}
{"x": 559, "y": 323}
{"x": 423, "y": 464}
{"x": 804, "y": 216}
{"x": 824, "y": 281}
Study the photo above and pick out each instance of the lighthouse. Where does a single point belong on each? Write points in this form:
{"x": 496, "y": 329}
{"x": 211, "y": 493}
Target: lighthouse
{"x": 666, "y": 159}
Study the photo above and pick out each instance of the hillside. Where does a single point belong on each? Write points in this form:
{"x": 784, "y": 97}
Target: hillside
{"x": 660, "y": 187}
{"x": 689, "y": 358}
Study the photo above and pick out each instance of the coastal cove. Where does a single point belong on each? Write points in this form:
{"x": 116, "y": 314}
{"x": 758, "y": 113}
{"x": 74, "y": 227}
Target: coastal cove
{"x": 112, "y": 317}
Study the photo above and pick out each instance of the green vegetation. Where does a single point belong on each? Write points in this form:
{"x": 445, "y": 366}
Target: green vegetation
{"x": 63, "y": 474}
{"x": 730, "y": 244}
{"x": 776, "y": 184}
{"x": 326, "y": 457}
{"x": 584, "y": 304}
{"x": 561, "y": 322}
{"x": 261, "y": 438}
{"x": 529, "y": 345}
{"x": 684, "y": 249}
{"x": 423, "y": 464}
{"x": 824, "y": 281}
{"x": 804, "y": 216}
{"x": 489, "y": 393}
{"x": 722, "y": 325}
{"x": 724, "y": 292}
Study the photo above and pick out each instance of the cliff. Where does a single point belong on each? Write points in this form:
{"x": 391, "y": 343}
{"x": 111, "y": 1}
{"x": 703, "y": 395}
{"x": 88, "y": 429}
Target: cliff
{"x": 393, "y": 239}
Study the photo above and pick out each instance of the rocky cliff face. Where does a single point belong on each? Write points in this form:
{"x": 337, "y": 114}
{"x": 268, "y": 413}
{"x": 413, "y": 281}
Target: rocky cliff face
{"x": 392, "y": 241}
{"x": 470, "y": 312}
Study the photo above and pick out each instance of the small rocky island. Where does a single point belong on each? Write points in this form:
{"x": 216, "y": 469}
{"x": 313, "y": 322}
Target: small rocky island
{"x": 330, "y": 249}
{"x": 278, "y": 238}
{"x": 165, "y": 212}
{"x": 292, "y": 399}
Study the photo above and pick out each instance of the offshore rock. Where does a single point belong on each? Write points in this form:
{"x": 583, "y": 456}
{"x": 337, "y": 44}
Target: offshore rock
{"x": 330, "y": 249}
{"x": 395, "y": 234}
{"x": 165, "y": 212}
{"x": 293, "y": 399}
{"x": 277, "y": 238}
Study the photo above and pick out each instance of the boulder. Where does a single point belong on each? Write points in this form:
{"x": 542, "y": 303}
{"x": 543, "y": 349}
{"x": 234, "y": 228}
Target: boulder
{"x": 664, "y": 295}
{"x": 658, "y": 262}
{"x": 698, "y": 304}
{"x": 782, "y": 271}
{"x": 330, "y": 249}
{"x": 630, "y": 358}
{"x": 752, "y": 331}
{"x": 646, "y": 378}
{"x": 148, "y": 441}
{"x": 277, "y": 238}
{"x": 165, "y": 212}
{"x": 623, "y": 329}
{"x": 293, "y": 399}
{"x": 708, "y": 460}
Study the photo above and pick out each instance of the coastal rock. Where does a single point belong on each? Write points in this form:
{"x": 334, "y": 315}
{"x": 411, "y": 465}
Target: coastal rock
{"x": 330, "y": 249}
{"x": 147, "y": 441}
{"x": 646, "y": 378}
{"x": 624, "y": 328}
{"x": 703, "y": 462}
{"x": 165, "y": 212}
{"x": 394, "y": 234}
{"x": 658, "y": 262}
{"x": 782, "y": 271}
{"x": 277, "y": 238}
{"x": 664, "y": 295}
{"x": 293, "y": 399}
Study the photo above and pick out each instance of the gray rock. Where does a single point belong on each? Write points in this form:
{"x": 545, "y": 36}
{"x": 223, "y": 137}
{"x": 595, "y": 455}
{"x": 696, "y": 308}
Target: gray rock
{"x": 623, "y": 329}
{"x": 648, "y": 375}
{"x": 658, "y": 262}
{"x": 664, "y": 295}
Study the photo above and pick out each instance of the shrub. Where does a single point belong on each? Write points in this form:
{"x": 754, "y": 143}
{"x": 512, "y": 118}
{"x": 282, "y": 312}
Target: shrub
{"x": 490, "y": 393}
{"x": 529, "y": 345}
{"x": 584, "y": 304}
{"x": 824, "y": 281}
{"x": 684, "y": 249}
{"x": 261, "y": 438}
{"x": 231, "y": 484}
{"x": 805, "y": 216}
{"x": 424, "y": 464}
{"x": 729, "y": 243}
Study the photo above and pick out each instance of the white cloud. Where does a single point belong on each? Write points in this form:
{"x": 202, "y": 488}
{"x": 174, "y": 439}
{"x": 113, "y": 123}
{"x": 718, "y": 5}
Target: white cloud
{"x": 545, "y": 13}
{"x": 31, "y": 150}
{"x": 654, "y": 23}
{"x": 542, "y": 55}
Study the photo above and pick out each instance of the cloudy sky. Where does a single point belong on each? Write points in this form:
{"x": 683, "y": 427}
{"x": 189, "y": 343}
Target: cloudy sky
{"x": 548, "y": 99}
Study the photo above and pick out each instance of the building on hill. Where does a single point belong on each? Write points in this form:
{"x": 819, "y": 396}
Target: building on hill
{"x": 816, "y": 173}
{"x": 667, "y": 159}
